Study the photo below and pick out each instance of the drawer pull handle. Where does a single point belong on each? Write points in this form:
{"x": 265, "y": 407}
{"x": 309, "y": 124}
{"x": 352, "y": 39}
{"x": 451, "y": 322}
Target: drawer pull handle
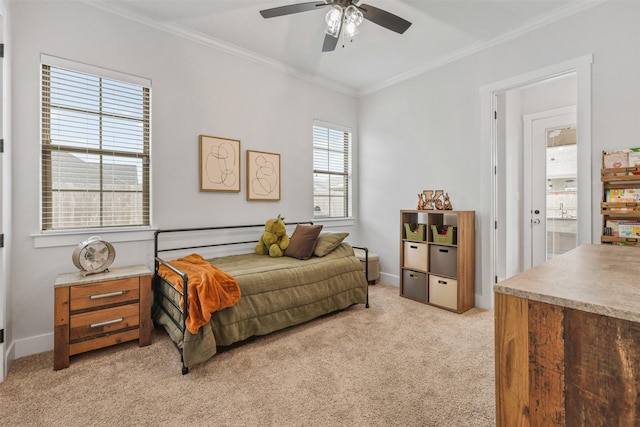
{"x": 443, "y": 250}
{"x": 106, "y": 322}
{"x": 413, "y": 247}
{"x": 442, "y": 282}
{"x": 107, "y": 295}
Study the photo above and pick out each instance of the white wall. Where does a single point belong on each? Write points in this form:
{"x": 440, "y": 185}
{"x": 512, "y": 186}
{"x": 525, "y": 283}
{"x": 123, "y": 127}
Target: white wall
{"x": 195, "y": 90}
{"x": 425, "y": 133}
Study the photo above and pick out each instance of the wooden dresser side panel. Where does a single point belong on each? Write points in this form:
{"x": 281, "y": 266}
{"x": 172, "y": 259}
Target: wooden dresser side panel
{"x": 466, "y": 261}
{"x": 546, "y": 364}
{"x": 61, "y": 328}
{"x": 146, "y": 298}
{"x": 512, "y": 361}
{"x": 602, "y": 370}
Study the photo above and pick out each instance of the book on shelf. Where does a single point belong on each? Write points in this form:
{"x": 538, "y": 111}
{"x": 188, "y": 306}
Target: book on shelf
{"x": 611, "y": 228}
{"x": 616, "y": 159}
{"x": 634, "y": 159}
{"x": 622, "y": 195}
{"x": 629, "y": 228}
{"x": 622, "y": 158}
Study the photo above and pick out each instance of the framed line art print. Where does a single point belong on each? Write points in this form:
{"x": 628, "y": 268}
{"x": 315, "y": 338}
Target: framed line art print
{"x": 219, "y": 164}
{"x": 263, "y": 175}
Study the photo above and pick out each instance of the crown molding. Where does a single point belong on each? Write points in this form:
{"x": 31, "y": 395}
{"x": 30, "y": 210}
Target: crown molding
{"x": 220, "y": 45}
{"x": 560, "y": 13}
{"x": 539, "y": 22}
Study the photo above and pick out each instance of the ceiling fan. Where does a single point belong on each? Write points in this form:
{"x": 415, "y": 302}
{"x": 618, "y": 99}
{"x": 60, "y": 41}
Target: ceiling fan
{"x": 343, "y": 16}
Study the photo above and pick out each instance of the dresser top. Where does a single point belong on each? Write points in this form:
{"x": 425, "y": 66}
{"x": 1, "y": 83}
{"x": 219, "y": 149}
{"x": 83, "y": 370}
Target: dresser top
{"x": 76, "y": 278}
{"x": 600, "y": 279}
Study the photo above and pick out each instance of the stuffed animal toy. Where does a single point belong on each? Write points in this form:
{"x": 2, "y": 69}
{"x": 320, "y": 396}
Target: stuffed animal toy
{"x": 274, "y": 240}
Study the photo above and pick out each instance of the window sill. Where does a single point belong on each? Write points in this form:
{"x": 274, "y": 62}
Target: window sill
{"x": 335, "y": 222}
{"x": 52, "y": 239}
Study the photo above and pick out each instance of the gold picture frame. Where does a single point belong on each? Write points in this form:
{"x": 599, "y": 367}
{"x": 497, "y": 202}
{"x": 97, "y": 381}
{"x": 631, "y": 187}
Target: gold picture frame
{"x": 263, "y": 176}
{"x": 219, "y": 164}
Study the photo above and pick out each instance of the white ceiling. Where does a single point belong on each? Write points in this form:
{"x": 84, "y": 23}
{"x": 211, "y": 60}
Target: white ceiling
{"x": 442, "y": 30}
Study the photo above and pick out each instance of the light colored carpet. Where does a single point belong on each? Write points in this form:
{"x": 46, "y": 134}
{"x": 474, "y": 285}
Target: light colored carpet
{"x": 397, "y": 363}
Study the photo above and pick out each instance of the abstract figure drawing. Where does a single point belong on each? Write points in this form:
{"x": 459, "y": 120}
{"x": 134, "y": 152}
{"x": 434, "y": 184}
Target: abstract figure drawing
{"x": 220, "y": 165}
{"x": 265, "y": 180}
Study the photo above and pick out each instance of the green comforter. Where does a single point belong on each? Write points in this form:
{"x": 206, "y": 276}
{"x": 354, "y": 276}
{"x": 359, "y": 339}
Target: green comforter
{"x": 276, "y": 293}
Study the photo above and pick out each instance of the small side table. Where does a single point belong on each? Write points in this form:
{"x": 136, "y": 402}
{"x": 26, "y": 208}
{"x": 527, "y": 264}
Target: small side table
{"x": 374, "y": 264}
{"x": 100, "y": 310}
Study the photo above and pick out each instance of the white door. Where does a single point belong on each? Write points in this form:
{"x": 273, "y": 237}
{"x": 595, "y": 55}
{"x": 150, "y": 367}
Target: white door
{"x": 550, "y": 201}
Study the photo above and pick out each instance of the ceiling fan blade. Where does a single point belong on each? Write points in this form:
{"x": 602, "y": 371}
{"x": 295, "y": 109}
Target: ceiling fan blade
{"x": 330, "y": 43}
{"x": 384, "y": 19}
{"x": 292, "y": 8}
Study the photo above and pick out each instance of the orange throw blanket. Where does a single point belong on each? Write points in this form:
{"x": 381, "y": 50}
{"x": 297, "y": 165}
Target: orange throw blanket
{"x": 210, "y": 289}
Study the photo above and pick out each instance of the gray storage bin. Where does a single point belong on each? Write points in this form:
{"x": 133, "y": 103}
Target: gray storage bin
{"x": 414, "y": 285}
{"x": 443, "y": 260}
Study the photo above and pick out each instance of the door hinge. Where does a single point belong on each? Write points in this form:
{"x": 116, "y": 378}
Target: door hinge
{"x": 1, "y": 50}
{"x": 495, "y": 280}
{"x": 2, "y": 145}
{"x": 495, "y": 115}
{"x": 495, "y": 225}
{"x": 495, "y": 170}
{"x": 2, "y": 240}
{"x": 1, "y": 336}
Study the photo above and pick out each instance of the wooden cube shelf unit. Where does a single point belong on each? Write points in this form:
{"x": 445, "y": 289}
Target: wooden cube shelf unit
{"x": 100, "y": 310}
{"x": 436, "y": 273}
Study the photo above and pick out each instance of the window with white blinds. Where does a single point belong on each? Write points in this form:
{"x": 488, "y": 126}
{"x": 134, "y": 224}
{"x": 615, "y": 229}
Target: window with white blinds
{"x": 331, "y": 171}
{"x": 95, "y": 151}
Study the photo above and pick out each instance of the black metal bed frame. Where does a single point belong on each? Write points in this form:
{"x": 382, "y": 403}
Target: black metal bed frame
{"x": 160, "y": 295}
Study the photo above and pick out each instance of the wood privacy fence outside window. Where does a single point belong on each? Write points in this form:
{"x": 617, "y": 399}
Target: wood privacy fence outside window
{"x": 95, "y": 150}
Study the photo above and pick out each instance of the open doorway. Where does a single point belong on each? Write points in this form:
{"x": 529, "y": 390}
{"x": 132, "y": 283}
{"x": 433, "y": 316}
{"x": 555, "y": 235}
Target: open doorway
{"x": 540, "y": 207}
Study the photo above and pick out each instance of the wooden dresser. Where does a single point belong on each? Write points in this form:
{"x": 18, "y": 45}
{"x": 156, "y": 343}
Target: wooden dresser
{"x": 100, "y": 310}
{"x": 567, "y": 338}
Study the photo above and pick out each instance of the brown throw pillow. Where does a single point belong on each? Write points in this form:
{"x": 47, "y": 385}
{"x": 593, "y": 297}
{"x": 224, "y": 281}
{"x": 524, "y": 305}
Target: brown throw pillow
{"x": 328, "y": 242}
{"x": 303, "y": 241}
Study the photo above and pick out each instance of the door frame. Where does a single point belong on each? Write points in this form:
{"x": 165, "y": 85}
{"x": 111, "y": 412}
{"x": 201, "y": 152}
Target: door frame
{"x": 5, "y": 192}
{"x": 530, "y": 121}
{"x": 581, "y": 66}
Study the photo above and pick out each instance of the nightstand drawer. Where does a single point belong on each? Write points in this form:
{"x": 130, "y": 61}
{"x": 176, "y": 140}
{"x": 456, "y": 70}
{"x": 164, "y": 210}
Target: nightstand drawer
{"x": 104, "y": 294}
{"x": 101, "y": 322}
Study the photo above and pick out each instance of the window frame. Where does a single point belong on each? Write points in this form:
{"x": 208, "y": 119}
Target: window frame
{"x": 347, "y": 172}
{"x": 46, "y": 218}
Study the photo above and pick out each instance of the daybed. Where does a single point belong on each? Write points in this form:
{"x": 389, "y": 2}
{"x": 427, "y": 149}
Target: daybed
{"x": 275, "y": 292}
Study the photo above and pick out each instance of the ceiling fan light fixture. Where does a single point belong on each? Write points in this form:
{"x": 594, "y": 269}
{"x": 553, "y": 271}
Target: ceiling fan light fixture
{"x": 333, "y": 18}
{"x": 352, "y": 20}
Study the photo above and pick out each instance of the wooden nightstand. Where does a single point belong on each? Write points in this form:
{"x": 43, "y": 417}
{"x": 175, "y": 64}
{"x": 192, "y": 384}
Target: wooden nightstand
{"x": 100, "y": 310}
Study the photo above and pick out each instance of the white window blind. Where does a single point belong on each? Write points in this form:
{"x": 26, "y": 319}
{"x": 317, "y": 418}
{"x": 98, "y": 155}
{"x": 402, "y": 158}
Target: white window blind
{"x": 95, "y": 151}
{"x": 331, "y": 172}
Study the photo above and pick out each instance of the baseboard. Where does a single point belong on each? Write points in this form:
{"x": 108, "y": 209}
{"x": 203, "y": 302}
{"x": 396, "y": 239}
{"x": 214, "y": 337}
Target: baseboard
{"x": 9, "y": 356}
{"x": 392, "y": 279}
{"x": 33, "y": 345}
